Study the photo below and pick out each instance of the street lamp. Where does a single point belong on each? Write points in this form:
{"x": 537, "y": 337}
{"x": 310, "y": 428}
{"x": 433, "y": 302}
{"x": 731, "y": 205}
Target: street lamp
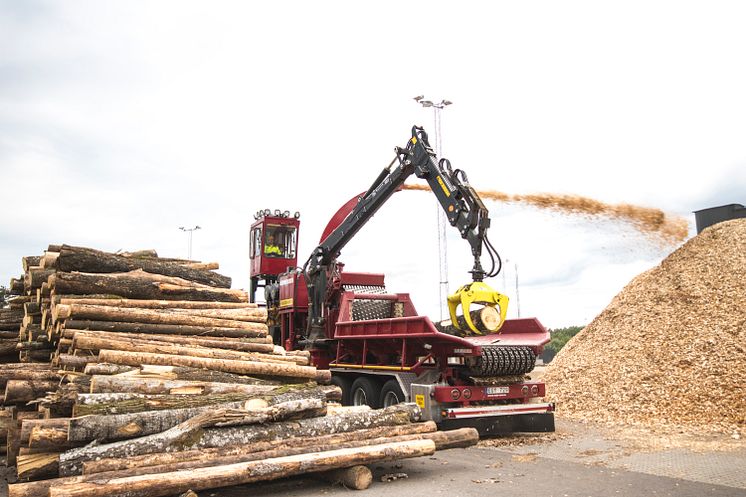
{"x": 442, "y": 241}
{"x": 190, "y": 231}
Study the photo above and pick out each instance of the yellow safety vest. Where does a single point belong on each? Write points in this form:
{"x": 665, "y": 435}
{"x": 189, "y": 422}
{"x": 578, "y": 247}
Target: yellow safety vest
{"x": 272, "y": 249}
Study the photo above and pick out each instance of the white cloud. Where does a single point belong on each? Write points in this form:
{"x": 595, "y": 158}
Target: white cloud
{"x": 121, "y": 122}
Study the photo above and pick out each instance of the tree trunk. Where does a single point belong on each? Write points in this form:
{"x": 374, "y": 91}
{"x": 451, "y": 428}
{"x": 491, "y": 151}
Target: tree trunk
{"x": 464, "y": 437}
{"x": 165, "y": 484}
{"x": 122, "y": 426}
{"x": 77, "y": 362}
{"x": 99, "y": 368}
{"x": 486, "y": 320}
{"x": 49, "y": 260}
{"x": 154, "y": 316}
{"x": 20, "y": 391}
{"x": 38, "y": 466}
{"x": 29, "y": 261}
{"x": 16, "y": 285}
{"x": 225, "y": 365}
{"x": 36, "y": 276}
{"x": 95, "y": 261}
{"x": 356, "y": 477}
{"x": 187, "y": 432}
{"x": 190, "y": 434}
{"x": 83, "y": 341}
{"x": 137, "y": 463}
{"x": 157, "y": 386}
{"x": 194, "y": 374}
{"x": 53, "y": 439}
{"x": 210, "y": 266}
{"x": 241, "y": 344}
{"x": 140, "y": 285}
{"x": 157, "y": 304}
{"x": 165, "y": 329}
{"x": 28, "y": 426}
{"x": 8, "y": 346}
{"x": 126, "y": 403}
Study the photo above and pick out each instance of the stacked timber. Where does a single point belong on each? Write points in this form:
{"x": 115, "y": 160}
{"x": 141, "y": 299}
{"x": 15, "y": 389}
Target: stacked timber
{"x": 155, "y": 367}
{"x": 11, "y": 319}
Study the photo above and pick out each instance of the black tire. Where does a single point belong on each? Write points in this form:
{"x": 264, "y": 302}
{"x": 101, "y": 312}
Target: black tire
{"x": 365, "y": 391}
{"x": 391, "y": 394}
{"x": 345, "y": 383}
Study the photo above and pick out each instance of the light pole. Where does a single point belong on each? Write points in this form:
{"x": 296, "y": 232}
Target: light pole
{"x": 517, "y": 294}
{"x": 441, "y": 218}
{"x": 190, "y": 231}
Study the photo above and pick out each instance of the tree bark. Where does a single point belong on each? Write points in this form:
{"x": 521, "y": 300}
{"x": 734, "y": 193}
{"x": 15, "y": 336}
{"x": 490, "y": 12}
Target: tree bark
{"x": 193, "y": 374}
{"x": 211, "y": 266}
{"x": 49, "y": 260}
{"x": 29, "y": 261}
{"x": 77, "y": 362}
{"x": 83, "y": 341}
{"x": 241, "y": 344}
{"x": 16, "y": 285}
{"x": 137, "y": 463}
{"x": 20, "y": 391}
{"x": 157, "y": 304}
{"x": 8, "y": 346}
{"x": 104, "y": 428}
{"x": 464, "y": 437}
{"x": 95, "y": 261}
{"x": 127, "y": 403}
{"x": 186, "y": 433}
{"x": 157, "y": 386}
{"x": 356, "y": 477}
{"x": 52, "y": 439}
{"x": 225, "y": 365}
{"x": 140, "y": 285}
{"x": 28, "y": 426}
{"x": 164, "y": 329}
{"x": 102, "y": 368}
{"x": 191, "y": 435}
{"x": 35, "y": 276}
{"x": 154, "y": 316}
{"x": 165, "y": 484}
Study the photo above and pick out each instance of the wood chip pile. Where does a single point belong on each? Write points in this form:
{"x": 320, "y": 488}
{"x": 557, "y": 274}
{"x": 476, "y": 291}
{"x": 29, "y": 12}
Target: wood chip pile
{"x": 670, "y": 350}
{"x": 160, "y": 379}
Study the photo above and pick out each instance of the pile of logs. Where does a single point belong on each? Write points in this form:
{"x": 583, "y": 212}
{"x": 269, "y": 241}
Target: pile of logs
{"x": 160, "y": 379}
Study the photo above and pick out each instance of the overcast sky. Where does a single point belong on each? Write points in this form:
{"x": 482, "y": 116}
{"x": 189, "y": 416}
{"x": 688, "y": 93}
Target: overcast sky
{"x": 121, "y": 121}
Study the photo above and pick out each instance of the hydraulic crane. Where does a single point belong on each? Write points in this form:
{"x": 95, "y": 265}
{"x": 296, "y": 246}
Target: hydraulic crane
{"x": 471, "y": 372}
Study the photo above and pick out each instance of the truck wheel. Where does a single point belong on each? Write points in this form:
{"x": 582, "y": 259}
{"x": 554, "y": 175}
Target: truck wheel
{"x": 364, "y": 392}
{"x": 345, "y": 383}
{"x": 391, "y": 393}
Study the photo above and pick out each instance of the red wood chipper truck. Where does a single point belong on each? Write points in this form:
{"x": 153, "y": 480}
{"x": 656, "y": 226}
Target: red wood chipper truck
{"x": 469, "y": 372}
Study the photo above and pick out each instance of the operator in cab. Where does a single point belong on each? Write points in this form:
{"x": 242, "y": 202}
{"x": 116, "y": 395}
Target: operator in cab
{"x": 270, "y": 248}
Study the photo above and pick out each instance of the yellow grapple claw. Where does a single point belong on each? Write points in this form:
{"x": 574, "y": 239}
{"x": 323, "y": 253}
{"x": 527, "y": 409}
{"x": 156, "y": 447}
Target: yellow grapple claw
{"x": 476, "y": 292}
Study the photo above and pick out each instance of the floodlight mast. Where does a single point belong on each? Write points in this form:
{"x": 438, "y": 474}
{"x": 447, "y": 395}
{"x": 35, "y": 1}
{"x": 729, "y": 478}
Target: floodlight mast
{"x": 443, "y": 285}
{"x": 190, "y": 231}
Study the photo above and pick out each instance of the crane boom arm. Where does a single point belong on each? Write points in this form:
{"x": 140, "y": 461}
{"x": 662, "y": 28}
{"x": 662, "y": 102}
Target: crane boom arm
{"x": 462, "y": 205}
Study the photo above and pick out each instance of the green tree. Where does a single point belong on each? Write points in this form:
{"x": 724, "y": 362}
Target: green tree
{"x": 559, "y": 338}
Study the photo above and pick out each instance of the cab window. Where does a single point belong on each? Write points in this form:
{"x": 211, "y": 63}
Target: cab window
{"x": 280, "y": 241}
{"x": 256, "y": 242}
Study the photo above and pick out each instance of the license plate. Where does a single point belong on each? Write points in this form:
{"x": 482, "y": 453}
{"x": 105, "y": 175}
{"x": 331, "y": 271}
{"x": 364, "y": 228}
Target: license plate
{"x": 497, "y": 390}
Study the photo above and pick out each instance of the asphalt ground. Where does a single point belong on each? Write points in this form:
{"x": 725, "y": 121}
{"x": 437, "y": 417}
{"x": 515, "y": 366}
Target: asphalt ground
{"x": 494, "y": 472}
{"x": 576, "y": 461}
